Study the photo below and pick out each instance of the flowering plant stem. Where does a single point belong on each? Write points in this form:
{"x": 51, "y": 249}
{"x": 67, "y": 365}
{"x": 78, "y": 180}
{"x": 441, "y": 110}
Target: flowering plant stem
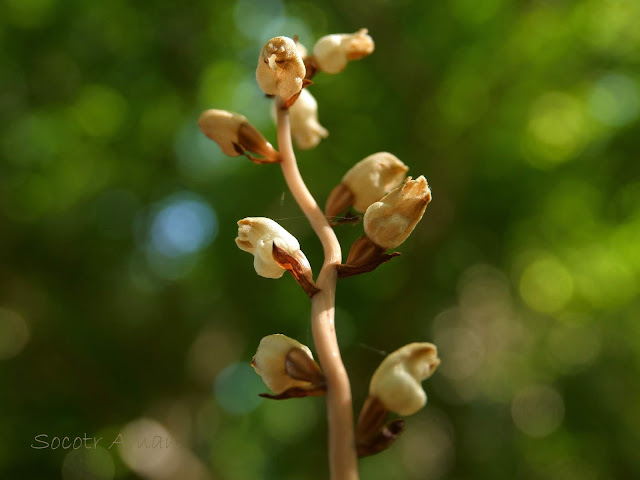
{"x": 343, "y": 460}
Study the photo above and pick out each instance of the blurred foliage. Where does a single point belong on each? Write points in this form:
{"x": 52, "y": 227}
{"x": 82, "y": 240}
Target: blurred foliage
{"x": 126, "y": 307}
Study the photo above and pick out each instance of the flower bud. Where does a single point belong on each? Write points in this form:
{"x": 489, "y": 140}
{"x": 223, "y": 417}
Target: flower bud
{"x": 302, "y": 50}
{"x": 284, "y": 363}
{"x": 275, "y": 251}
{"x": 372, "y": 178}
{"x": 332, "y": 52}
{"x": 235, "y": 135}
{"x": 397, "y": 381}
{"x": 257, "y": 236}
{"x": 280, "y": 70}
{"x": 305, "y": 128}
{"x": 390, "y": 221}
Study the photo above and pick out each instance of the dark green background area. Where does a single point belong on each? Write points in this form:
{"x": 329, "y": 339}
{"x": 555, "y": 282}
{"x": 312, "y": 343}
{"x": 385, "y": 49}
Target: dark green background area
{"x": 125, "y": 306}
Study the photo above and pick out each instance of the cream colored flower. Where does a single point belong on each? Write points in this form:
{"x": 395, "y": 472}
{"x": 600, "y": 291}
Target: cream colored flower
{"x": 391, "y": 220}
{"x": 270, "y": 362}
{"x": 302, "y": 50}
{"x": 222, "y": 127}
{"x": 371, "y": 179}
{"x": 257, "y": 235}
{"x": 332, "y": 52}
{"x": 397, "y": 381}
{"x": 306, "y": 131}
{"x": 280, "y": 68}
{"x": 234, "y": 134}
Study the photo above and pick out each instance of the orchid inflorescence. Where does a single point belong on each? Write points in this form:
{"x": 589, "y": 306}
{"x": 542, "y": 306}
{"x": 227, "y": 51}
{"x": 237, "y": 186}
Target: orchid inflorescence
{"x": 376, "y": 186}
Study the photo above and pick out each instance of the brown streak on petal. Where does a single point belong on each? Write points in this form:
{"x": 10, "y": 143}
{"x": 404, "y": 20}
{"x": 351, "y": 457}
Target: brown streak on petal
{"x": 300, "y": 366}
{"x": 251, "y": 139}
{"x": 364, "y": 256}
{"x": 239, "y": 149}
{"x": 290, "y": 263}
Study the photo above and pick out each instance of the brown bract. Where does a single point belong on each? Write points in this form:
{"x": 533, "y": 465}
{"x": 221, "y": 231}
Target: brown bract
{"x": 373, "y": 433}
{"x": 296, "y": 263}
{"x": 340, "y": 198}
{"x": 300, "y": 366}
{"x": 364, "y": 256}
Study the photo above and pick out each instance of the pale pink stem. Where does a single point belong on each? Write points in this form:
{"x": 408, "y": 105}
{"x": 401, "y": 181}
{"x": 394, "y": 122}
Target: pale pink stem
{"x": 343, "y": 460}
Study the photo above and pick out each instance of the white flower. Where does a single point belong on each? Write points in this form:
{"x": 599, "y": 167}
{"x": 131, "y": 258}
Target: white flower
{"x": 270, "y": 362}
{"x": 370, "y": 179}
{"x": 234, "y": 134}
{"x": 222, "y": 127}
{"x": 257, "y": 235}
{"x": 302, "y": 50}
{"x": 280, "y": 68}
{"x": 391, "y": 220}
{"x": 332, "y": 52}
{"x": 397, "y": 381}
{"x": 305, "y": 128}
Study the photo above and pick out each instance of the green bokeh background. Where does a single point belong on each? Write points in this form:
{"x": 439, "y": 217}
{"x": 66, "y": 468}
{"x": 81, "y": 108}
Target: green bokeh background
{"x": 125, "y": 306}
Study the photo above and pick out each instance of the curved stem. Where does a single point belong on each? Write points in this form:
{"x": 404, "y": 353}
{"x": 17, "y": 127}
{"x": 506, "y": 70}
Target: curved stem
{"x": 343, "y": 460}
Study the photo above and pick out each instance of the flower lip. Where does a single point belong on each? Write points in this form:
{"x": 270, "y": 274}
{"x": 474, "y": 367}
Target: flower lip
{"x": 397, "y": 381}
{"x": 270, "y": 362}
{"x": 274, "y": 251}
{"x": 256, "y": 235}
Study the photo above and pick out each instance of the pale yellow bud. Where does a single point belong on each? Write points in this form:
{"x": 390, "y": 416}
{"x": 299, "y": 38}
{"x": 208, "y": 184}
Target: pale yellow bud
{"x": 390, "y": 221}
{"x": 371, "y": 179}
{"x": 332, "y": 52}
{"x": 306, "y": 131}
{"x": 280, "y": 68}
{"x": 257, "y": 235}
{"x": 397, "y": 381}
{"x": 270, "y": 362}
